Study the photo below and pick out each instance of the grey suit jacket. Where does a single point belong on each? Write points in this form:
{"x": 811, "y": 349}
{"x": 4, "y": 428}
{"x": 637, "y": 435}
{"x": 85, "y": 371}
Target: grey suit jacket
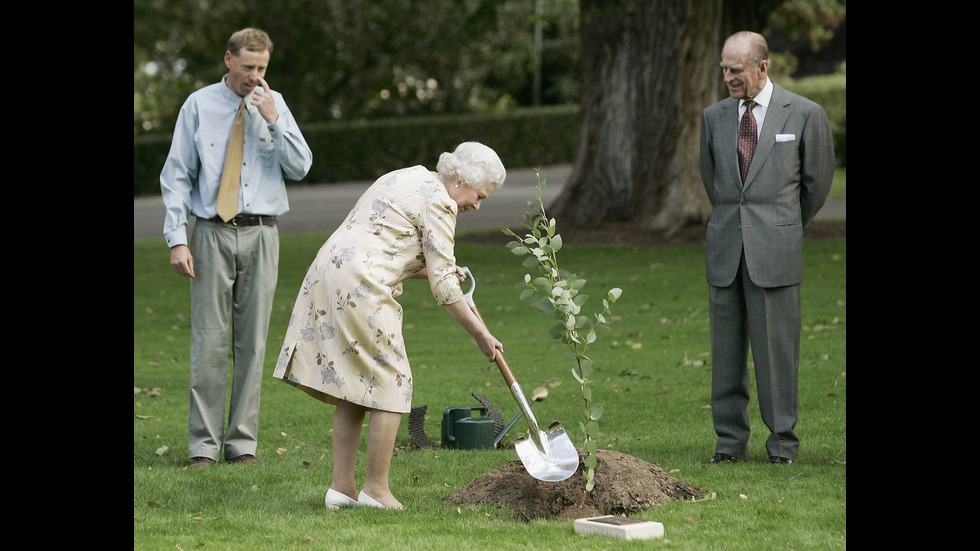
{"x": 788, "y": 182}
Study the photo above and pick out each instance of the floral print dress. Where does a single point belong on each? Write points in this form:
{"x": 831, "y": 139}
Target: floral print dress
{"x": 344, "y": 339}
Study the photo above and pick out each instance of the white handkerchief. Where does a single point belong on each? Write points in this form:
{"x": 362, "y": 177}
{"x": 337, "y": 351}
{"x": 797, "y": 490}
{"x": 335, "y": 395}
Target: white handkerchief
{"x": 785, "y": 137}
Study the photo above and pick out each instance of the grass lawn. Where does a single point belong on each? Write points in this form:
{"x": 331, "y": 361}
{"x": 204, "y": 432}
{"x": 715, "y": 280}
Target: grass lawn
{"x": 652, "y": 374}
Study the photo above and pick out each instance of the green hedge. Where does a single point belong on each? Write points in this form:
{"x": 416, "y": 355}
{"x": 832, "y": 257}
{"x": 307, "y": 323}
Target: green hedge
{"x": 527, "y": 137}
{"x": 344, "y": 151}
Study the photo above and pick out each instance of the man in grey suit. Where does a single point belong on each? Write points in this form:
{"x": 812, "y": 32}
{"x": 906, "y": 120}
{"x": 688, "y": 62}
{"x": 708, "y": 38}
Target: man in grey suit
{"x": 755, "y": 243}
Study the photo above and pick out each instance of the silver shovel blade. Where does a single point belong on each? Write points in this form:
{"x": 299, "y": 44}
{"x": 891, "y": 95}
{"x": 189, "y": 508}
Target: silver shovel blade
{"x": 556, "y": 460}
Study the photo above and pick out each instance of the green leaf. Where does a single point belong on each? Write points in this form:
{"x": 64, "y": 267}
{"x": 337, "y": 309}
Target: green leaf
{"x": 615, "y": 294}
{"x": 596, "y": 411}
{"x": 556, "y": 242}
{"x": 591, "y": 462}
{"x": 590, "y": 447}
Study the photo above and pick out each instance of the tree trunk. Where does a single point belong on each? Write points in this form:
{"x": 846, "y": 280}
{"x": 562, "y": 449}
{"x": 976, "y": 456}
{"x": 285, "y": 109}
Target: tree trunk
{"x": 648, "y": 69}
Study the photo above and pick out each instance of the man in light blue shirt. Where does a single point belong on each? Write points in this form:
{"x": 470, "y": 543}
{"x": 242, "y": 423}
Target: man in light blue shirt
{"x": 233, "y": 264}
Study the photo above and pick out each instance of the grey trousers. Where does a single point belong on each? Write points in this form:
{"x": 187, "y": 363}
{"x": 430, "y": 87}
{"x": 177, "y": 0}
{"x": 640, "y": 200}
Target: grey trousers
{"x": 769, "y": 319}
{"x": 237, "y": 269}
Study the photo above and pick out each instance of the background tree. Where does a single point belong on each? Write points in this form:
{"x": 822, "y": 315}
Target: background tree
{"x": 649, "y": 67}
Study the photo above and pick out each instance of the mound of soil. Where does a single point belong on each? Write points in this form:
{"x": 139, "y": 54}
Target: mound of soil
{"x": 623, "y": 484}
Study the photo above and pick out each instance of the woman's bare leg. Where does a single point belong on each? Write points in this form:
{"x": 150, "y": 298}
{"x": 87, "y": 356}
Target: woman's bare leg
{"x": 347, "y": 422}
{"x": 382, "y": 429}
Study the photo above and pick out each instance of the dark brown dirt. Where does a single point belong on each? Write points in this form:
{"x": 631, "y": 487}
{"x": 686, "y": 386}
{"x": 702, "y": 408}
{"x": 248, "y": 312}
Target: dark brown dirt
{"x": 623, "y": 484}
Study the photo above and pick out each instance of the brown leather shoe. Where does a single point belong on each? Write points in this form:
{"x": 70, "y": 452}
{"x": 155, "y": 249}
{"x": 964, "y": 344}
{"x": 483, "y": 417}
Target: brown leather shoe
{"x": 201, "y": 462}
{"x": 246, "y": 458}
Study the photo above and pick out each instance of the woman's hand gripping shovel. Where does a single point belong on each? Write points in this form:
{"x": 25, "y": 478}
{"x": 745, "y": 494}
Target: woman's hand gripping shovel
{"x": 547, "y": 455}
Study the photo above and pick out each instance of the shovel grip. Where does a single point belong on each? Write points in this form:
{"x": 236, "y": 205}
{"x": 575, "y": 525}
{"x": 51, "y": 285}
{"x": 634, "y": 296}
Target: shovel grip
{"x": 499, "y": 356}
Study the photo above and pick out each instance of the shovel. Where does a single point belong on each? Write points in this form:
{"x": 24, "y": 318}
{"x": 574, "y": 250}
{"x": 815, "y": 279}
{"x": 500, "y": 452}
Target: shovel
{"x": 547, "y": 455}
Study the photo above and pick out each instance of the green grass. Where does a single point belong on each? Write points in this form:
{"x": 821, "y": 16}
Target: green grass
{"x": 838, "y": 189}
{"x": 652, "y": 375}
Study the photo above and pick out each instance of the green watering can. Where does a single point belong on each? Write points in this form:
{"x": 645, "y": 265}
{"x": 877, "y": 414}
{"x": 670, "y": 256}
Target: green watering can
{"x": 464, "y": 431}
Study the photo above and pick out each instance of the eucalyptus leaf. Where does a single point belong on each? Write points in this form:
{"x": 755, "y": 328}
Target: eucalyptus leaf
{"x": 556, "y": 243}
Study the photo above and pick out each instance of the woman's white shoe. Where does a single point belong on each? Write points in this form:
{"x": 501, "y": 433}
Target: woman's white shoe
{"x": 336, "y": 500}
{"x": 368, "y": 501}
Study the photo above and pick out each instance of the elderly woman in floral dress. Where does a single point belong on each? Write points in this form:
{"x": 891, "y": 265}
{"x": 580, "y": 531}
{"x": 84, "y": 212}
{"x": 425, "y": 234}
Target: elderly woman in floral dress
{"x": 344, "y": 343}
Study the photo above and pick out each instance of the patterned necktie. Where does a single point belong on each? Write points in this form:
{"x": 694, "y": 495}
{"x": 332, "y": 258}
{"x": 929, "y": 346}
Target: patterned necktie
{"x": 748, "y": 137}
{"x": 231, "y": 175}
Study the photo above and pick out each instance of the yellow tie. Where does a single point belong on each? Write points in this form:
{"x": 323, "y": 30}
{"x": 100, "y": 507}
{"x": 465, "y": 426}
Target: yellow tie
{"x": 231, "y": 175}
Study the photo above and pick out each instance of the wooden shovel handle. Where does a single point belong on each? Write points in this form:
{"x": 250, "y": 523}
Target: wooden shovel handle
{"x": 499, "y": 356}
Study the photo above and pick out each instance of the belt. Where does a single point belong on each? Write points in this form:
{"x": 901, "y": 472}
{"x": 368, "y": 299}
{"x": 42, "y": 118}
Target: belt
{"x": 247, "y": 220}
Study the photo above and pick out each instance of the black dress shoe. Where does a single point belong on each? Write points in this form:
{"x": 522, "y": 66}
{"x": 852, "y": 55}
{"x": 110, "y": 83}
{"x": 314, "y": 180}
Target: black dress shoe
{"x": 723, "y": 458}
{"x": 782, "y": 460}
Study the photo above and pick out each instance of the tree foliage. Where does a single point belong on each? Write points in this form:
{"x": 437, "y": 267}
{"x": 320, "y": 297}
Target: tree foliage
{"x": 335, "y": 59}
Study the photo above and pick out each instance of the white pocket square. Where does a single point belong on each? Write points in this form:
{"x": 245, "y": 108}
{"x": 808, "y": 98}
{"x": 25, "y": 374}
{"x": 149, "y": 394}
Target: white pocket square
{"x": 785, "y": 137}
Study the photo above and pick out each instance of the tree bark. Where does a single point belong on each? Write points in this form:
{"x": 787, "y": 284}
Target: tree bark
{"x": 648, "y": 69}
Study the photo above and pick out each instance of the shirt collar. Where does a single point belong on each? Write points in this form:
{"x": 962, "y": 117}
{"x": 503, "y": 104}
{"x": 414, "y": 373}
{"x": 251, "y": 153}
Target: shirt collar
{"x": 764, "y": 96}
{"x": 233, "y": 97}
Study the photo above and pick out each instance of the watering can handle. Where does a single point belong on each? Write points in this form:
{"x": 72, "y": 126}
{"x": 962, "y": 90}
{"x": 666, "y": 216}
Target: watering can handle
{"x": 499, "y": 358}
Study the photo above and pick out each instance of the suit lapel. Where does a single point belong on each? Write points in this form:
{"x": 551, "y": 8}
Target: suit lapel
{"x": 729, "y": 123}
{"x": 776, "y": 116}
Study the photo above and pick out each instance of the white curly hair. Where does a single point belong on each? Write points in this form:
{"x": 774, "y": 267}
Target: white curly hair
{"x": 475, "y": 164}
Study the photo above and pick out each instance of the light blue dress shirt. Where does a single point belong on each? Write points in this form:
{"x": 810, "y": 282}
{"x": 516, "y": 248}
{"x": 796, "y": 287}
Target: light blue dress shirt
{"x": 191, "y": 176}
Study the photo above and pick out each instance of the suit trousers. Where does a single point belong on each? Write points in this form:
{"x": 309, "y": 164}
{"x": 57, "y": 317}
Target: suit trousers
{"x": 237, "y": 269}
{"x": 770, "y": 320}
